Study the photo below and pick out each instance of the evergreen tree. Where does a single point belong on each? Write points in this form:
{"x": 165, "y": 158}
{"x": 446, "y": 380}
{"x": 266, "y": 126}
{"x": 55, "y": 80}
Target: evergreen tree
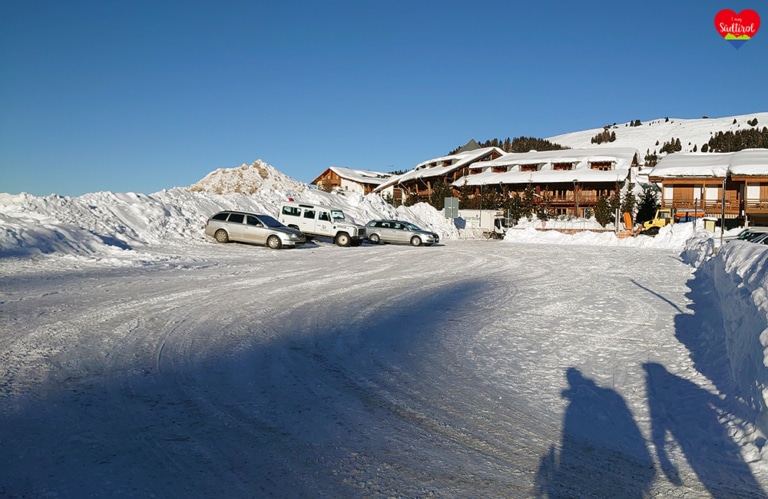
{"x": 741, "y": 139}
{"x": 647, "y": 205}
{"x": 544, "y": 209}
{"x": 615, "y": 202}
{"x": 466, "y": 201}
{"x": 412, "y": 198}
{"x": 515, "y": 208}
{"x": 629, "y": 202}
{"x": 529, "y": 199}
{"x": 603, "y": 211}
{"x": 440, "y": 191}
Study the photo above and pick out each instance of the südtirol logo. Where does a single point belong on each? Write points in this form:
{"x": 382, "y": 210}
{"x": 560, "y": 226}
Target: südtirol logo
{"x": 737, "y": 28}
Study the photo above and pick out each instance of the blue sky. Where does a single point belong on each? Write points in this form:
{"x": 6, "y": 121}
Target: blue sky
{"x": 139, "y": 96}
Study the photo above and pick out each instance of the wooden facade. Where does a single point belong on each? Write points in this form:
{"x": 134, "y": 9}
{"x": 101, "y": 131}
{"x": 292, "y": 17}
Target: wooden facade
{"x": 743, "y": 175}
{"x": 346, "y": 179}
{"x": 565, "y": 198}
{"x": 569, "y": 182}
{"x": 422, "y": 180}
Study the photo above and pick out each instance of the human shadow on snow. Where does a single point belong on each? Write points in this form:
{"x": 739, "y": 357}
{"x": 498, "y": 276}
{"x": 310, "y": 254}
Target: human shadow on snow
{"x": 687, "y": 414}
{"x": 602, "y": 452}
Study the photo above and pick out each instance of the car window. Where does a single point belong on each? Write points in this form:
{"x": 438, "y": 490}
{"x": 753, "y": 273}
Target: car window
{"x": 309, "y": 213}
{"x": 337, "y": 214}
{"x": 220, "y": 216}
{"x": 385, "y": 225}
{"x": 236, "y": 218}
{"x": 399, "y": 227}
{"x": 293, "y": 211}
{"x": 251, "y": 220}
{"x": 269, "y": 221}
{"x": 324, "y": 216}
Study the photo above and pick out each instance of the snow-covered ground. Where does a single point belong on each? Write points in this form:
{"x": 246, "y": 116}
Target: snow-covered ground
{"x": 140, "y": 358}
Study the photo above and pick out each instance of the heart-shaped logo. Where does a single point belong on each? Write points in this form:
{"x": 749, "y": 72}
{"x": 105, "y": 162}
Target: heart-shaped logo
{"x": 737, "y": 28}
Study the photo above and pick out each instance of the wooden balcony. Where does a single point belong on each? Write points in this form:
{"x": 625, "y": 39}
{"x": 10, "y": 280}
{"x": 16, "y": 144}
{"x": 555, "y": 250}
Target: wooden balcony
{"x": 756, "y": 206}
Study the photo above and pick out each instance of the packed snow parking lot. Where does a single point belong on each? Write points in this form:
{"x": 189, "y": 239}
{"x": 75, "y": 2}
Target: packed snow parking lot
{"x": 139, "y": 358}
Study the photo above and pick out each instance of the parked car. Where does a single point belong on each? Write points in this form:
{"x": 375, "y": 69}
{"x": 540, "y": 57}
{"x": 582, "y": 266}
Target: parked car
{"x": 398, "y": 231}
{"x": 315, "y": 220}
{"x": 246, "y": 227}
{"x": 752, "y": 233}
{"x": 759, "y": 238}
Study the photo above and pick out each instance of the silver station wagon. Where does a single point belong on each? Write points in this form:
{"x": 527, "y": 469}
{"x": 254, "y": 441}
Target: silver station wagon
{"x": 245, "y": 227}
{"x": 398, "y": 231}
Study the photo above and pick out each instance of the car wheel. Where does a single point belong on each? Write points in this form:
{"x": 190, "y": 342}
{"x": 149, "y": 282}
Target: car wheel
{"x": 415, "y": 241}
{"x": 274, "y": 242}
{"x": 221, "y": 236}
{"x": 343, "y": 239}
{"x": 651, "y": 232}
{"x": 374, "y": 239}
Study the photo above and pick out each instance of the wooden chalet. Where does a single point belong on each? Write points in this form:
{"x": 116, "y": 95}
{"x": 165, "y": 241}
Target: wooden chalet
{"x": 349, "y": 180}
{"x": 570, "y": 181}
{"x": 731, "y": 184}
{"x": 447, "y": 169}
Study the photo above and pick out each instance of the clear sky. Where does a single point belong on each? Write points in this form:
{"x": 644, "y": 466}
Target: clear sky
{"x": 143, "y": 95}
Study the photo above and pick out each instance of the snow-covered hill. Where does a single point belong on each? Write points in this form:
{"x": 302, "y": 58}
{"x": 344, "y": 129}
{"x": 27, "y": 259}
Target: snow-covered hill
{"x": 650, "y": 136}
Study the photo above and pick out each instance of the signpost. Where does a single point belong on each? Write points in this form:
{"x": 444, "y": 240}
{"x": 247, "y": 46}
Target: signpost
{"x": 451, "y": 207}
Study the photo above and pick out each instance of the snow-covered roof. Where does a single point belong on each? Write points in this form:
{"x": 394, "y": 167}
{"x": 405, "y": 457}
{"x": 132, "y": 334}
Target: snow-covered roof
{"x": 750, "y": 162}
{"x": 360, "y": 176}
{"x": 442, "y": 165}
{"x": 621, "y": 156}
{"x": 544, "y": 177}
{"x": 715, "y": 165}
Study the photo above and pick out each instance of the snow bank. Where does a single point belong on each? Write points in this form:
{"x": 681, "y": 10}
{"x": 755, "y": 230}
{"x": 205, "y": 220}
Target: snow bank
{"x": 672, "y": 237}
{"x": 100, "y": 224}
{"x": 739, "y": 277}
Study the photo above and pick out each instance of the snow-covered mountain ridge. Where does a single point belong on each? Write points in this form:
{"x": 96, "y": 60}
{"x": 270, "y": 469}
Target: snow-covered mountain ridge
{"x": 650, "y": 136}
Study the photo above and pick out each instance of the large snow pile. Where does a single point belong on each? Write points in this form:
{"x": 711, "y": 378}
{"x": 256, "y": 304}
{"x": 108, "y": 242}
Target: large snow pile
{"x": 674, "y": 237}
{"x": 106, "y": 224}
{"x": 246, "y": 179}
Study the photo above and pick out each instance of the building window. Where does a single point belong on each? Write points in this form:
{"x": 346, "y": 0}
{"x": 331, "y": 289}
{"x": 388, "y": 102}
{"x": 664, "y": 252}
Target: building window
{"x": 601, "y": 165}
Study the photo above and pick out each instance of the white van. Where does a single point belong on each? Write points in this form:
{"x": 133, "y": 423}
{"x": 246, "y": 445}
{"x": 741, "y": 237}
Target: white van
{"x": 316, "y": 220}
